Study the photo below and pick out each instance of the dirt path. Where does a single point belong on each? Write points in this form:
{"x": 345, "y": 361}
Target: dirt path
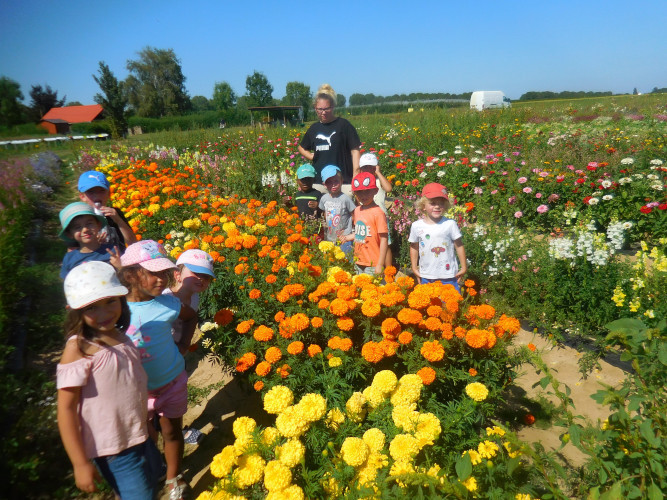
{"x": 215, "y": 413}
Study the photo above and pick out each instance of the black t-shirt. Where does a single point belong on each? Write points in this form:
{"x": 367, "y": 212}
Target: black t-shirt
{"x": 301, "y": 199}
{"x": 332, "y": 143}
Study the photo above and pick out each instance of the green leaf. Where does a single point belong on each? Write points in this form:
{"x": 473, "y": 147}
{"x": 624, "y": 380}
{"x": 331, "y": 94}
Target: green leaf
{"x": 512, "y": 464}
{"x": 662, "y": 354}
{"x": 654, "y": 492}
{"x": 614, "y": 493}
{"x": 648, "y": 434}
{"x": 625, "y": 325}
{"x": 594, "y": 494}
{"x": 544, "y": 382}
{"x": 634, "y": 403}
{"x": 463, "y": 467}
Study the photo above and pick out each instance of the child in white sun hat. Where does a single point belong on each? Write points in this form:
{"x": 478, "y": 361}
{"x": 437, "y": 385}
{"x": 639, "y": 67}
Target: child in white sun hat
{"x": 102, "y": 396}
{"x": 146, "y": 272}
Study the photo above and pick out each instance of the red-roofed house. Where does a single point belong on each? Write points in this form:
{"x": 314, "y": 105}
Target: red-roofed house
{"x": 58, "y": 120}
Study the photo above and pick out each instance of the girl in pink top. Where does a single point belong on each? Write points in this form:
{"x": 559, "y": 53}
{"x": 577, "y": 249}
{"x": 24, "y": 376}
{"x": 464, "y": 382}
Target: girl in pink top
{"x": 102, "y": 388}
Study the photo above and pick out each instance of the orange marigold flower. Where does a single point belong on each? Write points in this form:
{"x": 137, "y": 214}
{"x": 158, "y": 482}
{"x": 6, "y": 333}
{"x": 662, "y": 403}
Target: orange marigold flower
{"x": 471, "y": 291}
{"x": 469, "y": 283}
{"x": 270, "y": 278}
{"x": 279, "y": 316}
{"x": 390, "y": 328}
{"x": 532, "y": 347}
{"x": 372, "y": 352}
{"x": 223, "y": 317}
{"x": 460, "y": 332}
{"x": 370, "y": 308}
{"x": 346, "y": 292}
{"x": 341, "y": 277}
{"x": 323, "y": 304}
{"x": 284, "y": 370}
{"x": 244, "y": 326}
{"x": 427, "y": 374}
{"x": 434, "y": 311}
{"x": 245, "y": 362}
{"x": 334, "y": 342}
{"x": 432, "y": 324}
{"x": 472, "y": 372}
{"x": 258, "y": 386}
{"x": 241, "y": 268}
{"x": 263, "y": 369}
{"x": 418, "y": 300}
{"x": 476, "y": 338}
{"x": 432, "y": 351}
{"x": 405, "y": 282}
{"x": 273, "y": 354}
{"x": 282, "y": 296}
{"x": 295, "y": 348}
{"x": 388, "y": 346}
{"x": 254, "y": 293}
{"x": 405, "y": 338}
{"x": 345, "y": 344}
{"x": 316, "y": 322}
{"x": 490, "y": 339}
{"x": 345, "y": 323}
{"x": 409, "y": 316}
{"x": 447, "y": 332}
{"x": 263, "y": 333}
{"x": 338, "y": 307}
{"x": 314, "y": 350}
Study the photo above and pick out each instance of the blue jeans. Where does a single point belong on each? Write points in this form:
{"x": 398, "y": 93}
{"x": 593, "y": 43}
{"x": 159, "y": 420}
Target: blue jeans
{"x": 133, "y": 473}
{"x": 450, "y": 281}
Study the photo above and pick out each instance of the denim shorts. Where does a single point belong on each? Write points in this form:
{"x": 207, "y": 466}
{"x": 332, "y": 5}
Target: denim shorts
{"x": 133, "y": 473}
{"x": 170, "y": 400}
{"x": 448, "y": 281}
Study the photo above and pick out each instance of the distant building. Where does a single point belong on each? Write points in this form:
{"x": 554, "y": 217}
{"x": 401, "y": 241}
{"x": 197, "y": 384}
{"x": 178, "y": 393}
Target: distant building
{"x": 58, "y": 120}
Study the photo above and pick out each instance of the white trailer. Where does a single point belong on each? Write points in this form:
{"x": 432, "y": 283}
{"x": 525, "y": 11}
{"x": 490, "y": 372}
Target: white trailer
{"x": 489, "y": 99}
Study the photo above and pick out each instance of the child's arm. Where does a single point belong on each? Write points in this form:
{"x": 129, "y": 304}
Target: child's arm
{"x": 384, "y": 244}
{"x": 414, "y": 259}
{"x": 125, "y": 229}
{"x": 384, "y": 182}
{"x": 85, "y": 473}
{"x": 114, "y": 260}
{"x": 461, "y": 254}
{"x": 189, "y": 317}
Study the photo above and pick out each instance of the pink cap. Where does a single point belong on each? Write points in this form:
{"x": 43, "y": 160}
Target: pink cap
{"x": 197, "y": 261}
{"x": 148, "y": 254}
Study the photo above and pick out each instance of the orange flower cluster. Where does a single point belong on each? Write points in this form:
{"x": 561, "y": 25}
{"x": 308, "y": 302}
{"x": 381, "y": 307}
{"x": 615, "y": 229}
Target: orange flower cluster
{"x": 273, "y": 355}
{"x": 480, "y": 338}
{"x": 263, "y": 333}
{"x": 427, "y": 374}
{"x": 245, "y": 362}
{"x": 344, "y": 344}
{"x": 433, "y": 351}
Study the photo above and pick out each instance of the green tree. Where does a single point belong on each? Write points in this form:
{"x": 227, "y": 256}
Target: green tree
{"x": 298, "y": 94}
{"x": 340, "y": 101}
{"x": 156, "y": 84}
{"x": 73, "y": 103}
{"x": 42, "y": 99}
{"x": 11, "y": 109}
{"x": 259, "y": 90}
{"x": 114, "y": 101}
{"x": 201, "y": 104}
{"x": 224, "y": 97}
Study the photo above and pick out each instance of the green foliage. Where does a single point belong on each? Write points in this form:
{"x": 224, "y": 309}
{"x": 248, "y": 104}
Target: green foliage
{"x": 11, "y": 109}
{"x": 537, "y": 95}
{"x": 223, "y": 96}
{"x": 42, "y": 99}
{"x": 201, "y": 104}
{"x": 298, "y": 94}
{"x": 113, "y": 100}
{"x": 259, "y": 90}
{"x": 155, "y": 86}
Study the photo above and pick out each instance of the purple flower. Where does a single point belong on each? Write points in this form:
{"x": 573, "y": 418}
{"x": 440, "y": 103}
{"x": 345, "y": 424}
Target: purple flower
{"x": 522, "y": 180}
{"x": 518, "y": 214}
{"x": 542, "y": 209}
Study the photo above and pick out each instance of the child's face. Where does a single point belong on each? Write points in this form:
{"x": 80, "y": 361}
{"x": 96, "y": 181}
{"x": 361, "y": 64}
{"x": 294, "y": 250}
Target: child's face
{"x": 95, "y": 195}
{"x": 435, "y": 208}
{"x": 192, "y": 282}
{"x": 84, "y": 230}
{"x": 305, "y": 184}
{"x": 333, "y": 184}
{"x": 153, "y": 283}
{"x": 103, "y": 315}
{"x": 365, "y": 196}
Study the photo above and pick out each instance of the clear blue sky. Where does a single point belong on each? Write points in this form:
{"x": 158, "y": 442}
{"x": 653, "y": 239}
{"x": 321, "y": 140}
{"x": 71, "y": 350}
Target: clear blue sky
{"x": 357, "y": 46}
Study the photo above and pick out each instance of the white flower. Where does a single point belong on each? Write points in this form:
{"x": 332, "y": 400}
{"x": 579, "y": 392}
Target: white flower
{"x": 440, "y": 173}
{"x": 627, "y": 161}
{"x": 657, "y": 187}
{"x": 624, "y": 180}
{"x": 208, "y": 326}
{"x": 607, "y": 197}
{"x": 444, "y": 153}
{"x": 606, "y": 183}
{"x": 422, "y": 175}
{"x": 652, "y": 177}
{"x": 656, "y": 162}
{"x": 593, "y": 201}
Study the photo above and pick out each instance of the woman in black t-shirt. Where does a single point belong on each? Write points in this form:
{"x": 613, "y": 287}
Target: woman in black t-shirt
{"x": 332, "y": 140}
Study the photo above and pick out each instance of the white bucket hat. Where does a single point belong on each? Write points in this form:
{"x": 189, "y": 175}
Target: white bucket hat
{"x": 90, "y": 282}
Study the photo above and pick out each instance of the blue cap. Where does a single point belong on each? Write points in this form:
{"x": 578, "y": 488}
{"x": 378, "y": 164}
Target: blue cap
{"x": 305, "y": 170}
{"x": 92, "y": 178}
{"x": 329, "y": 171}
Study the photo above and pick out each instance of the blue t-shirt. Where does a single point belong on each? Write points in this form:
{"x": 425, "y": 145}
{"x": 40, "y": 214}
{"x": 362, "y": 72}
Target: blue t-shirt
{"x": 76, "y": 257}
{"x": 150, "y": 331}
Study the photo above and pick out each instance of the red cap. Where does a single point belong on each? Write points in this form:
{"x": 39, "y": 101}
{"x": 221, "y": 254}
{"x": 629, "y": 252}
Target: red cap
{"x": 434, "y": 190}
{"x": 364, "y": 180}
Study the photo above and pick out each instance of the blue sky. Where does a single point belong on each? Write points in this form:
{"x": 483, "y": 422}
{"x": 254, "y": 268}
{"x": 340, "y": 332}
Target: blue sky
{"x": 357, "y": 46}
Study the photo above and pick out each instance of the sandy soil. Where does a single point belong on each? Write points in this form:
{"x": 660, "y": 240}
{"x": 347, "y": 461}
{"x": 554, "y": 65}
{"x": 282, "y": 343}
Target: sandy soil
{"x": 214, "y": 414}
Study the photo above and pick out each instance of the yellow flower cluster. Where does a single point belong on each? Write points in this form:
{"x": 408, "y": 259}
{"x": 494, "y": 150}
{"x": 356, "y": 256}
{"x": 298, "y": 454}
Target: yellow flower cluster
{"x": 477, "y": 391}
{"x": 278, "y": 399}
{"x": 192, "y": 223}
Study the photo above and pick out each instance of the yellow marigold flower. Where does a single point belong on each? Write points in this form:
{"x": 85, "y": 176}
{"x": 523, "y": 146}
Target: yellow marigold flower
{"x": 487, "y": 449}
{"x": 292, "y": 492}
{"x": 291, "y": 453}
{"x": 243, "y": 426}
{"x": 312, "y": 407}
{"x": 427, "y": 429}
{"x": 335, "y": 361}
{"x": 470, "y": 484}
{"x": 290, "y": 423}
{"x": 405, "y": 417}
{"x": 354, "y": 451}
{"x": 335, "y": 417}
{"x": 385, "y": 381}
{"x": 250, "y": 470}
{"x": 270, "y": 435}
{"x": 477, "y": 391}
{"x": 375, "y": 439}
{"x": 277, "y": 399}
{"x": 402, "y": 467}
{"x": 277, "y": 476}
{"x": 495, "y": 430}
{"x": 408, "y": 390}
{"x": 403, "y": 447}
{"x": 325, "y": 246}
{"x": 223, "y": 462}
{"x": 374, "y": 397}
{"x": 242, "y": 443}
{"x": 355, "y": 407}
{"x": 475, "y": 457}
{"x": 522, "y": 496}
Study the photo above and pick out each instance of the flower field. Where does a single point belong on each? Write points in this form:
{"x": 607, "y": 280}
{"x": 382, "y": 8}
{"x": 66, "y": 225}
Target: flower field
{"x": 393, "y": 389}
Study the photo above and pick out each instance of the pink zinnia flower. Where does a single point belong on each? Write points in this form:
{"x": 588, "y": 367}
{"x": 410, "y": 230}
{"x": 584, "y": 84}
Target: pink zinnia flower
{"x": 542, "y": 208}
{"x": 511, "y": 200}
{"x": 538, "y": 195}
{"x": 527, "y": 190}
{"x": 518, "y": 214}
{"x": 522, "y": 180}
